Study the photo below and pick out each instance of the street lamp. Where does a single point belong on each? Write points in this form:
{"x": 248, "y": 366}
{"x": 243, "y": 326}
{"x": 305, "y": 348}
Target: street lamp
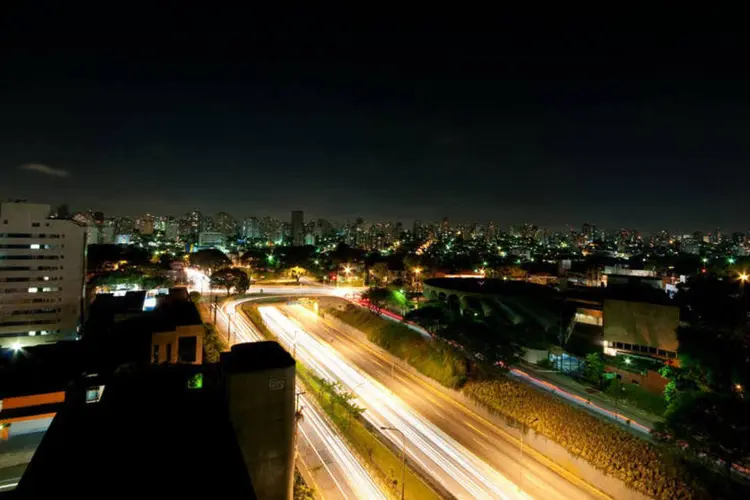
{"x": 403, "y": 457}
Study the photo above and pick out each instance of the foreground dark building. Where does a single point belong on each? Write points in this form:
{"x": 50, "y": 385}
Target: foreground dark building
{"x": 223, "y": 430}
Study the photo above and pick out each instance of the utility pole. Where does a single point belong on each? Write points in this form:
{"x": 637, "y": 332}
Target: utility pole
{"x": 216, "y": 307}
{"x": 403, "y": 458}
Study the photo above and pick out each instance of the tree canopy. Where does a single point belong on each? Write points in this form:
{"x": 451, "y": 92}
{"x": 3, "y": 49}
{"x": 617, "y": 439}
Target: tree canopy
{"x": 209, "y": 259}
{"x": 230, "y": 278}
{"x": 706, "y": 399}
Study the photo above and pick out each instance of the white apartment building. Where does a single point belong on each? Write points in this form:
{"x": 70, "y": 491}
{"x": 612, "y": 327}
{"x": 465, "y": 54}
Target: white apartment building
{"x": 42, "y": 272}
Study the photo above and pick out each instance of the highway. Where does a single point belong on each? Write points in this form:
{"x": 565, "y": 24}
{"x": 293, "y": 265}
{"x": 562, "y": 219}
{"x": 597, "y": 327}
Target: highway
{"x": 326, "y": 460}
{"x": 458, "y": 471}
{"x": 468, "y": 455}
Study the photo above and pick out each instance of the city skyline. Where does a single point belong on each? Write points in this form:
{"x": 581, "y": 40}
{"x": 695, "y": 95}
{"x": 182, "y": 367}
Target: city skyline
{"x": 474, "y": 127}
{"x": 285, "y": 218}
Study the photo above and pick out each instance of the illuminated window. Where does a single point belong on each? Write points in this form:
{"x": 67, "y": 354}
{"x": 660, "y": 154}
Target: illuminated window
{"x": 33, "y": 290}
{"x": 35, "y": 246}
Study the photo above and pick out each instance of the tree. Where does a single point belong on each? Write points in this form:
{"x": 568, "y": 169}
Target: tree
{"x": 231, "y": 278}
{"x": 375, "y": 298}
{"x": 705, "y": 392}
{"x": 711, "y": 422}
{"x": 486, "y": 342}
{"x": 594, "y": 369}
{"x": 431, "y": 318}
{"x": 209, "y": 259}
{"x": 301, "y": 490}
{"x": 379, "y": 272}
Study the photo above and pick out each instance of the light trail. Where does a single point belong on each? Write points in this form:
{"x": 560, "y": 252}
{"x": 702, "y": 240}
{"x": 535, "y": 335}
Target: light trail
{"x": 458, "y": 470}
{"x": 345, "y": 467}
{"x": 526, "y": 377}
{"x": 355, "y": 474}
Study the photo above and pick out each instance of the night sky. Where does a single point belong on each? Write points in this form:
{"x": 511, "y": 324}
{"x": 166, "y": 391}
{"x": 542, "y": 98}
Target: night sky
{"x": 512, "y": 122}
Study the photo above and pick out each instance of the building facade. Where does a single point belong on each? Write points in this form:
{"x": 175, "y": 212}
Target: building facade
{"x": 42, "y": 271}
{"x": 298, "y": 228}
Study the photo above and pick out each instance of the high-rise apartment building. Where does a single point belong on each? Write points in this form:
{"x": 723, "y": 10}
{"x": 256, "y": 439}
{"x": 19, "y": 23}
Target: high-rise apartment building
{"x": 298, "y": 228}
{"x": 171, "y": 230}
{"x": 42, "y": 269}
{"x": 251, "y": 228}
{"x": 226, "y": 225}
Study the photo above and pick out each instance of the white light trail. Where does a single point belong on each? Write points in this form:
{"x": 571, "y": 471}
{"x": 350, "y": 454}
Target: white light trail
{"x": 357, "y": 478}
{"x": 457, "y": 469}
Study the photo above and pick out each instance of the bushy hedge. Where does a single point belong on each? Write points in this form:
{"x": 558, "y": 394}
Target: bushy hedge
{"x": 638, "y": 463}
{"x": 434, "y": 359}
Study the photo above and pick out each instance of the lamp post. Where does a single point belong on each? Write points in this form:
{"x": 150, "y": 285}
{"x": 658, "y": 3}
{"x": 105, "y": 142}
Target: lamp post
{"x": 403, "y": 458}
{"x": 351, "y": 405}
{"x": 520, "y": 458}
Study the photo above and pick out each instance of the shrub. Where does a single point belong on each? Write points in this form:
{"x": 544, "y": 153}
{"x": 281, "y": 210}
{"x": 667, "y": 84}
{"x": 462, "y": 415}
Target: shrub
{"x": 640, "y": 464}
{"x": 436, "y": 360}
{"x": 213, "y": 344}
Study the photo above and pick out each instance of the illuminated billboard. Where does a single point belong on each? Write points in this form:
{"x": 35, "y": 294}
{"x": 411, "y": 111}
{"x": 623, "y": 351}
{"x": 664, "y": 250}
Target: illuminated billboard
{"x": 641, "y": 323}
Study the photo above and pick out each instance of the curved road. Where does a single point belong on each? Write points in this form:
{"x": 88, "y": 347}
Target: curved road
{"x": 438, "y": 407}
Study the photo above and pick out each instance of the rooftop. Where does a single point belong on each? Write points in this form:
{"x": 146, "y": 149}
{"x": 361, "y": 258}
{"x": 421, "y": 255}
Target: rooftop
{"x": 149, "y": 435}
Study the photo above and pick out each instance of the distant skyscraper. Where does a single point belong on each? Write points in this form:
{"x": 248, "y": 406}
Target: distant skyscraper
{"x": 190, "y": 226}
{"x": 251, "y": 228}
{"x": 172, "y": 231}
{"x": 226, "y": 225}
{"x": 298, "y": 228}
{"x": 123, "y": 226}
{"x": 145, "y": 224}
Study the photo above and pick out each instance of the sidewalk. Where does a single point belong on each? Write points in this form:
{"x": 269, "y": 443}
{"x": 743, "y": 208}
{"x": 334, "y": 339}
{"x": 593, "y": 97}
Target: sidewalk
{"x": 583, "y": 395}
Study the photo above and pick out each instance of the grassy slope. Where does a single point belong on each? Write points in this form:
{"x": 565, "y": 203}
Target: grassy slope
{"x": 433, "y": 359}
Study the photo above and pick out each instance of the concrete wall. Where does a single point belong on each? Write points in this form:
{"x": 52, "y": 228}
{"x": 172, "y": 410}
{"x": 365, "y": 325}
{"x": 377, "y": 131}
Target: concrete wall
{"x": 262, "y": 409}
{"x": 162, "y": 339}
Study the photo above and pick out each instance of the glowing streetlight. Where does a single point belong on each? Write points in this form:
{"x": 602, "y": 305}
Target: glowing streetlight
{"x": 744, "y": 277}
{"x": 731, "y": 260}
{"x": 347, "y": 270}
{"x": 705, "y": 259}
{"x": 417, "y": 270}
{"x": 627, "y": 361}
